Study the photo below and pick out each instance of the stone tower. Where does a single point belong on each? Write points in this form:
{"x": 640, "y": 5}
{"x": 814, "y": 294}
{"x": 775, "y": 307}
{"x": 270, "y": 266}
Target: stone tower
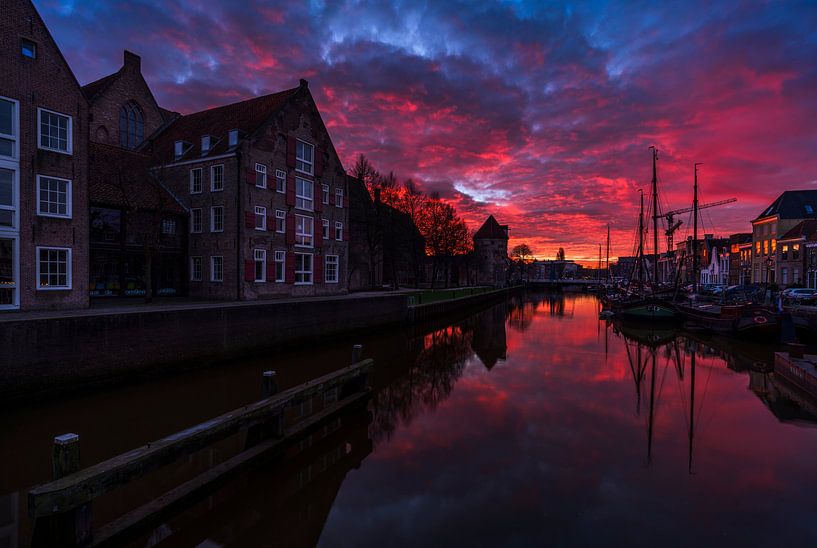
{"x": 491, "y": 250}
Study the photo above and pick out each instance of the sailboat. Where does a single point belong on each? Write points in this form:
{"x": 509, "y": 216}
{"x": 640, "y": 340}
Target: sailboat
{"x": 649, "y": 308}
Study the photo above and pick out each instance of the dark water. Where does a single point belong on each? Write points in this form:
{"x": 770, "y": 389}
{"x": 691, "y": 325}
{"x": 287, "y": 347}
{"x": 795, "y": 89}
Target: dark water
{"x": 530, "y": 423}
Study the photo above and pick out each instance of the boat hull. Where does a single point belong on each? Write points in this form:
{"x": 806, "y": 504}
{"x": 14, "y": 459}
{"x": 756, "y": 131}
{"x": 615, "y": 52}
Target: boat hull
{"x": 649, "y": 310}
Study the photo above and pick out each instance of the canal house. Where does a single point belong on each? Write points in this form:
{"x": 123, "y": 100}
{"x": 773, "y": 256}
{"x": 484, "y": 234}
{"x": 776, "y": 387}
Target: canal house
{"x": 43, "y": 168}
{"x": 266, "y": 196}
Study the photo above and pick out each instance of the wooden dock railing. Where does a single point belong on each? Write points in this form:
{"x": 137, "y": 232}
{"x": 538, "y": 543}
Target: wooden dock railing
{"x": 61, "y": 509}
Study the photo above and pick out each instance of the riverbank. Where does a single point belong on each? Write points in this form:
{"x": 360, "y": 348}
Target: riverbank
{"x": 48, "y": 353}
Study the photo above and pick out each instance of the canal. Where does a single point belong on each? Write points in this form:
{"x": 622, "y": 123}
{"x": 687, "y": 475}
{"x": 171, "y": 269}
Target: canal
{"x": 528, "y": 423}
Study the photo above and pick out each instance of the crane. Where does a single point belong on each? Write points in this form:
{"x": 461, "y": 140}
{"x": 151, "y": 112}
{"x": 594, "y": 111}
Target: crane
{"x": 673, "y": 225}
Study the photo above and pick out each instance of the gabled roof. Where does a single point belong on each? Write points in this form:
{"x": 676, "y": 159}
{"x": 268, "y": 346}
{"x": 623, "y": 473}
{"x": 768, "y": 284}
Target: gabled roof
{"x": 245, "y": 116}
{"x": 98, "y": 86}
{"x": 793, "y": 204}
{"x": 802, "y": 230}
{"x": 491, "y": 230}
{"x": 122, "y": 178}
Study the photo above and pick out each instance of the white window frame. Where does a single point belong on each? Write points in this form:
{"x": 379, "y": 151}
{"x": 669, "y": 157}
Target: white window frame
{"x": 280, "y": 181}
{"x": 325, "y": 194}
{"x": 193, "y": 260}
{"x": 68, "y": 269}
{"x": 339, "y": 197}
{"x": 213, "y": 178}
{"x": 15, "y": 128}
{"x": 69, "y": 134}
{"x": 260, "y": 175}
{"x": 213, "y": 269}
{"x": 338, "y": 231}
{"x": 68, "y": 203}
{"x": 336, "y": 264}
{"x": 213, "y": 218}
{"x": 260, "y": 256}
{"x": 193, "y": 220}
{"x": 326, "y": 231}
{"x": 304, "y": 273}
{"x": 15, "y": 196}
{"x": 302, "y": 201}
{"x": 261, "y": 211}
{"x": 280, "y": 218}
{"x": 192, "y": 179}
{"x": 15, "y": 274}
{"x": 300, "y": 161}
{"x": 169, "y": 227}
{"x": 280, "y": 258}
{"x": 302, "y": 237}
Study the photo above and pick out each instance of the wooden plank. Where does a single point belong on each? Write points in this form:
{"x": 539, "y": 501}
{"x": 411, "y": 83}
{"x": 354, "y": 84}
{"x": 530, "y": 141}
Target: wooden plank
{"x": 180, "y": 497}
{"x": 69, "y": 492}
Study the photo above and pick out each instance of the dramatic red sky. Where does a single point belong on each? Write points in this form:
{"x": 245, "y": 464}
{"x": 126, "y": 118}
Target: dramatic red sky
{"x": 541, "y": 116}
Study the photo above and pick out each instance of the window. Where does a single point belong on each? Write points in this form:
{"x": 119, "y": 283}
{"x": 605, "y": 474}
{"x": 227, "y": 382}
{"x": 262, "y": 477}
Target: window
{"x": 9, "y": 266}
{"x": 260, "y": 175}
{"x": 304, "y": 229}
{"x": 339, "y": 231}
{"x": 303, "y": 268}
{"x": 206, "y": 144}
{"x": 131, "y": 125}
{"x": 260, "y": 257}
{"x": 168, "y": 227}
{"x": 28, "y": 49}
{"x": 304, "y": 153}
{"x": 280, "y": 181}
{"x": 325, "y": 194}
{"x": 216, "y": 269}
{"x": 339, "y": 197}
{"x": 195, "y": 181}
{"x": 217, "y": 178}
{"x": 280, "y": 221}
{"x": 195, "y": 269}
{"x": 795, "y": 275}
{"x": 795, "y": 251}
{"x": 217, "y": 219}
{"x": 325, "y": 223}
{"x": 53, "y": 268}
{"x": 260, "y": 218}
{"x": 195, "y": 220}
{"x": 303, "y": 194}
{"x": 784, "y": 252}
{"x": 757, "y": 247}
{"x": 774, "y": 245}
{"x": 53, "y": 197}
{"x": 180, "y": 148}
{"x": 232, "y": 138}
{"x": 784, "y": 275}
{"x": 9, "y": 128}
{"x": 280, "y": 260}
{"x": 331, "y": 269}
{"x": 55, "y": 131}
{"x": 809, "y": 209}
{"x": 765, "y": 247}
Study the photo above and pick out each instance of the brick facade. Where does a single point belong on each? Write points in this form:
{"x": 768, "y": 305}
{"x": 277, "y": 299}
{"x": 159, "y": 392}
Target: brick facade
{"x": 44, "y": 81}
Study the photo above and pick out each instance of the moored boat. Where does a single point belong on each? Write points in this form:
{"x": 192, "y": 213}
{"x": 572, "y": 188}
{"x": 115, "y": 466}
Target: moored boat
{"x": 739, "y": 320}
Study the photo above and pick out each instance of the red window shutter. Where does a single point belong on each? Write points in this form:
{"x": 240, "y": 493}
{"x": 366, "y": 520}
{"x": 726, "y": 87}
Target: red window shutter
{"x": 346, "y": 200}
{"x": 318, "y": 162}
{"x": 251, "y": 177}
{"x": 317, "y": 268}
{"x": 291, "y": 152}
{"x": 290, "y": 229}
{"x": 290, "y": 268}
{"x": 317, "y": 198}
{"x": 270, "y": 271}
{"x": 291, "y": 189}
{"x": 249, "y": 271}
{"x": 249, "y": 219}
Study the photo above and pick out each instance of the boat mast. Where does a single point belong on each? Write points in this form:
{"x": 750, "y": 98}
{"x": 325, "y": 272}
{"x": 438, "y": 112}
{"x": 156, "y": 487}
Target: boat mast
{"x": 654, "y": 219}
{"x": 695, "y": 232}
{"x": 640, "y": 259}
{"x": 691, "y": 408}
{"x": 598, "y": 270}
{"x": 608, "y": 253}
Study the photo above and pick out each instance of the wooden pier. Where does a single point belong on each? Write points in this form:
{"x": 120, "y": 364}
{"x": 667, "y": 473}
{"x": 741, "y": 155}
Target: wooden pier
{"x": 797, "y": 368}
{"x": 61, "y": 509}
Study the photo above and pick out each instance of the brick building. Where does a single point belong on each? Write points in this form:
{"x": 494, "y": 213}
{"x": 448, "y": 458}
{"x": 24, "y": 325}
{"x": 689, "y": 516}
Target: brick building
{"x": 43, "y": 168}
{"x": 266, "y": 194}
{"x": 491, "y": 252}
{"x": 740, "y": 258}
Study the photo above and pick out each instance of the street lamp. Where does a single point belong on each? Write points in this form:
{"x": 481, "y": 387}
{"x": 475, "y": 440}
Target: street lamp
{"x": 769, "y": 262}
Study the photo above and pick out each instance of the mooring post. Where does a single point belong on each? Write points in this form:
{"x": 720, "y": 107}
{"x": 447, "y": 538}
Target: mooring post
{"x": 357, "y": 353}
{"x": 269, "y": 385}
{"x": 73, "y": 526}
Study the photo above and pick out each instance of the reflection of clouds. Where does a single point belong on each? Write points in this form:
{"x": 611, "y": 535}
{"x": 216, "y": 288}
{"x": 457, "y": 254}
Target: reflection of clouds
{"x": 549, "y": 450}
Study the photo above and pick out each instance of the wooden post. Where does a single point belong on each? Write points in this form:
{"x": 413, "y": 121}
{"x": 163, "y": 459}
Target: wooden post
{"x": 269, "y": 386}
{"x": 71, "y": 528}
{"x": 357, "y": 353}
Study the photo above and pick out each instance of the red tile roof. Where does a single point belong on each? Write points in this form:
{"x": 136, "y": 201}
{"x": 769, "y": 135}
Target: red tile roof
{"x": 122, "y": 178}
{"x": 491, "y": 230}
{"x": 245, "y": 116}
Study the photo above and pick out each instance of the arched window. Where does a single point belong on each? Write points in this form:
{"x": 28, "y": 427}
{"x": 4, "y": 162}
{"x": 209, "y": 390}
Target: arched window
{"x": 131, "y": 127}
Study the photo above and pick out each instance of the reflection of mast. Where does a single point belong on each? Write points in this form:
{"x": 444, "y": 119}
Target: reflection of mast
{"x": 691, "y": 407}
{"x": 652, "y": 410}
{"x": 638, "y": 373}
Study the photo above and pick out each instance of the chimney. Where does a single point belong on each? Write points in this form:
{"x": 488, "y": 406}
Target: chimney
{"x": 133, "y": 61}
{"x": 304, "y": 83}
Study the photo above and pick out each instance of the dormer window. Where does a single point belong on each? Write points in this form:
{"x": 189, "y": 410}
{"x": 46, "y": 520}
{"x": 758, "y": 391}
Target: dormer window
{"x": 809, "y": 209}
{"x": 206, "y": 144}
{"x": 233, "y": 138}
{"x": 28, "y": 49}
{"x": 181, "y": 148}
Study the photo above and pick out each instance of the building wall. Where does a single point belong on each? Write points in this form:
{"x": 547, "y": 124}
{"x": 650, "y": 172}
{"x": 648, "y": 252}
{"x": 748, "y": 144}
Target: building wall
{"x": 766, "y": 234}
{"x": 44, "y": 82}
{"x": 492, "y": 261}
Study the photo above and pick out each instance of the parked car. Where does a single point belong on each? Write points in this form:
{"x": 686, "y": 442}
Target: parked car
{"x": 799, "y": 294}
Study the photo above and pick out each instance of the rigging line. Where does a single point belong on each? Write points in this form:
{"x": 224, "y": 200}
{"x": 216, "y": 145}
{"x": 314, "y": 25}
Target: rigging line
{"x": 703, "y": 395}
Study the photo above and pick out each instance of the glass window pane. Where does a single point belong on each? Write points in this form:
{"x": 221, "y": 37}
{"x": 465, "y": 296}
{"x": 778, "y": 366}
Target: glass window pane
{"x": 6, "y": 187}
{"x": 6, "y": 117}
